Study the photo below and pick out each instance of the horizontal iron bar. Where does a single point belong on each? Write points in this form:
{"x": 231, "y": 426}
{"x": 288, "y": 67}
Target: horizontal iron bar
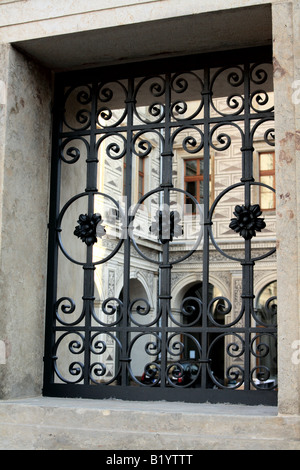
{"x": 189, "y": 395}
{"x": 175, "y": 124}
{"x": 183, "y": 329}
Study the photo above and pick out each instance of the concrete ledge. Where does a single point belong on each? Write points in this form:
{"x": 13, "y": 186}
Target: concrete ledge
{"x": 70, "y": 424}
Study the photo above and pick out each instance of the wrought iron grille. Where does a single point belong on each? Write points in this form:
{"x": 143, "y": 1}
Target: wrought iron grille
{"x": 134, "y": 308}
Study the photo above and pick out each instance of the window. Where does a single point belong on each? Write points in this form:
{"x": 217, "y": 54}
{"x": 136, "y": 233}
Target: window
{"x": 267, "y": 176}
{"x": 138, "y": 191}
{"x": 194, "y": 182}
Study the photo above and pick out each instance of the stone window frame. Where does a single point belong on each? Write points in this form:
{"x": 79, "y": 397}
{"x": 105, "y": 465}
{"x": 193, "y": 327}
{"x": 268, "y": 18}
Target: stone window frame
{"x": 287, "y": 173}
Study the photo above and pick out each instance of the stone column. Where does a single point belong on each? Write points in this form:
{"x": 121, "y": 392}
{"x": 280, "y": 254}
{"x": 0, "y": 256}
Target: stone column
{"x": 286, "y": 67}
{"x": 25, "y": 123}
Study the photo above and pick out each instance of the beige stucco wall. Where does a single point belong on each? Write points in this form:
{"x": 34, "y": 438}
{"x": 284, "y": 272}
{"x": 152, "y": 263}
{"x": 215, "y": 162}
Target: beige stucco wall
{"x": 36, "y": 27}
{"x": 24, "y": 160}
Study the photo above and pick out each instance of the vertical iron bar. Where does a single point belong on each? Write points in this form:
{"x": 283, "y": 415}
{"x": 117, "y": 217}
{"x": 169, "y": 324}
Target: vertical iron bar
{"x": 127, "y": 243}
{"x": 205, "y": 282}
{"x": 165, "y": 266}
{"x": 89, "y": 268}
{"x": 247, "y": 266}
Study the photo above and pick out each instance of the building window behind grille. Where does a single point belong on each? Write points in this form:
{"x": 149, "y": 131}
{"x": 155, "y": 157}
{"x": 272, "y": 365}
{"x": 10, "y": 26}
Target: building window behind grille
{"x": 194, "y": 182}
{"x": 139, "y": 171}
{"x": 267, "y": 176}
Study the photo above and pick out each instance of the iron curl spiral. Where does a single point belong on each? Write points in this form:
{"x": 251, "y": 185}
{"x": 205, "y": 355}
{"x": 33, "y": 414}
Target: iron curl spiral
{"x": 234, "y": 349}
{"x": 260, "y": 378}
{"x": 235, "y": 375}
{"x": 266, "y": 314}
{"x": 153, "y": 348}
{"x": 181, "y": 83}
{"x": 262, "y": 98}
{"x": 258, "y": 75}
{"x": 261, "y": 349}
{"x": 142, "y": 308}
{"x": 192, "y": 143}
{"x": 175, "y": 348}
{"x": 73, "y": 151}
{"x": 269, "y": 137}
{"x": 97, "y": 369}
{"x": 153, "y": 87}
{"x": 73, "y": 98}
{"x": 75, "y": 346}
{"x": 223, "y": 139}
{"x": 110, "y": 307}
{"x": 271, "y": 307}
{"x": 99, "y": 346}
{"x": 152, "y": 371}
{"x": 76, "y": 369}
{"x": 68, "y": 309}
{"x": 109, "y": 114}
{"x": 236, "y": 77}
{"x": 191, "y": 307}
{"x": 116, "y": 149}
{"x": 223, "y": 307}
{"x": 235, "y": 102}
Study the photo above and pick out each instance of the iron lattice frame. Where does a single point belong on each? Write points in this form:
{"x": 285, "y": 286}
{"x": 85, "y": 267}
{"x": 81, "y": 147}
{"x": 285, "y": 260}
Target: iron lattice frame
{"x": 240, "y": 67}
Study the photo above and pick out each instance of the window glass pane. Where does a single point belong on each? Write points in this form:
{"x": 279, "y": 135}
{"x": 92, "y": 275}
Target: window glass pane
{"x": 191, "y": 167}
{"x": 266, "y": 161}
{"x": 267, "y": 199}
{"x": 190, "y": 187}
{"x": 269, "y": 180}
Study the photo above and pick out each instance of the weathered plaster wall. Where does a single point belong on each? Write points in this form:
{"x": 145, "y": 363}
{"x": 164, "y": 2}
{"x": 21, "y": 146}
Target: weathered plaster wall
{"x": 3, "y": 100}
{"x": 25, "y": 142}
{"x": 4, "y": 51}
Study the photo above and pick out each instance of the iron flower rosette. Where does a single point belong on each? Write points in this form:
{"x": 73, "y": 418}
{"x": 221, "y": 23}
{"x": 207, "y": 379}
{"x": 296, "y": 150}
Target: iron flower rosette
{"x": 247, "y": 221}
{"x": 166, "y": 225}
{"x": 87, "y": 229}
